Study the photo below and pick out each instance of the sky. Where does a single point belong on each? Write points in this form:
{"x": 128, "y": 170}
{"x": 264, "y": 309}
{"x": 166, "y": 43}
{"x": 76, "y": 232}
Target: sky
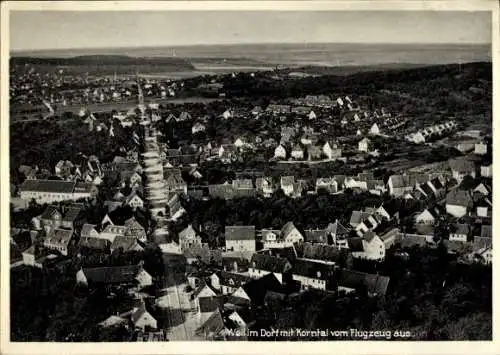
{"x": 37, "y": 30}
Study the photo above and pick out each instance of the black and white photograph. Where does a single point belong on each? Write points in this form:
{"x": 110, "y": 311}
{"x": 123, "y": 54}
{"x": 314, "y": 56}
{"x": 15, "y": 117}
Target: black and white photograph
{"x": 248, "y": 175}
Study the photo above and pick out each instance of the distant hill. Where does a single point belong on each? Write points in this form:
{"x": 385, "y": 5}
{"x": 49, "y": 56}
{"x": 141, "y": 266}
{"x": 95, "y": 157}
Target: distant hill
{"x": 102, "y": 59}
{"x": 104, "y": 64}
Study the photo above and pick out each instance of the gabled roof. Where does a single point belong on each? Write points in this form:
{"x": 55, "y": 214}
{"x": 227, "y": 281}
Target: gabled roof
{"x": 462, "y": 229}
{"x": 213, "y": 325}
{"x": 257, "y": 289}
{"x": 242, "y": 183}
{"x": 287, "y": 229}
{"x": 112, "y": 274}
{"x": 269, "y": 263}
{"x": 94, "y": 243}
{"x": 71, "y": 214}
{"x": 358, "y": 216}
{"x": 315, "y": 236}
{"x": 392, "y": 207}
{"x": 459, "y": 198}
{"x": 323, "y": 252}
{"x": 189, "y": 230}
{"x": 232, "y": 279}
{"x": 461, "y": 165}
{"x": 312, "y": 269}
{"x": 355, "y": 244}
{"x": 60, "y": 237}
{"x": 239, "y": 233}
{"x": 125, "y": 242}
{"x": 436, "y": 182}
{"x": 374, "y": 284}
{"x": 287, "y": 180}
{"x": 49, "y": 212}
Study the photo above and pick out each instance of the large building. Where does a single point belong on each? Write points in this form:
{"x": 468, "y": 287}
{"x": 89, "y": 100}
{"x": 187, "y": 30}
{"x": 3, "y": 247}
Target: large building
{"x": 48, "y": 191}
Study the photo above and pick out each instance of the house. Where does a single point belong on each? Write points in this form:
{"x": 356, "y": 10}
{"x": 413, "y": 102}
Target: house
{"x": 142, "y": 319}
{"x": 480, "y": 148}
{"x": 314, "y": 152}
{"x": 375, "y": 130}
{"x": 437, "y": 186}
{"x": 337, "y": 234}
{"x": 487, "y": 171}
{"x": 254, "y": 292}
{"x": 313, "y": 274}
{"x": 227, "y": 114}
{"x": 58, "y": 239}
{"x": 328, "y": 184}
{"x": 355, "y": 281}
{"x": 240, "y": 238}
{"x": 174, "y": 181}
{"x": 130, "y": 275}
{"x": 110, "y": 232}
{"x": 64, "y": 168}
{"x": 331, "y": 150}
{"x": 264, "y": 186}
{"x": 175, "y": 208}
{"x": 312, "y": 115}
{"x": 399, "y": 184}
{"x": 365, "y": 145}
{"x": 243, "y": 318}
{"x": 429, "y": 215}
{"x": 227, "y": 282}
{"x": 242, "y": 184}
{"x": 280, "y": 152}
{"x": 484, "y": 208}
{"x": 48, "y": 191}
{"x": 263, "y": 264}
{"x": 125, "y": 243}
{"x": 460, "y": 168}
{"x": 287, "y": 184}
{"x": 134, "y": 200}
{"x": 375, "y": 244}
{"x": 135, "y": 229}
{"x": 297, "y": 152}
{"x": 257, "y": 111}
{"x": 213, "y": 328}
{"x": 459, "y": 233}
{"x": 458, "y": 203}
{"x": 390, "y": 210}
{"x": 357, "y": 217}
{"x": 482, "y": 189}
{"x": 189, "y": 237}
{"x": 290, "y": 234}
{"x": 369, "y": 223}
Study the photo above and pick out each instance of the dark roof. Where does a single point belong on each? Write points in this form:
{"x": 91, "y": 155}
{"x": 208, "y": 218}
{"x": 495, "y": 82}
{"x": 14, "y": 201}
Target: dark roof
{"x": 94, "y": 243}
{"x": 58, "y": 186}
{"x": 358, "y": 216}
{"x": 112, "y": 274}
{"x": 288, "y": 253}
{"x": 409, "y": 240}
{"x": 60, "y": 236}
{"x": 228, "y": 261}
{"x": 323, "y": 252}
{"x": 213, "y": 325}
{"x": 240, "y": 233}
{"x": 459, "y": 198}
{"x": 49, "y": 212}
{"x": 125, "y": 242}
{"x": 315, "y": 236}
{"x": 374, "y": 284}
{"x": 462, "y": 229}
{"x": 257, "y": 289}
{"x": 269, "y": 263}
{"x": 355, "y": 244}
{"x": 71, "y": 214}
{"x": 209, "y": 304}
{"x": 336, "y": 228}
{"x": 392, "y": 207}
{"x": 436, "y": 182}
{"x": 312, "y": 269}
{"x": 232, "y": 279}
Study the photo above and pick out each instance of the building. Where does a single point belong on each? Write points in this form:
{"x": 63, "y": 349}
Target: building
{"x": 481, "y": 148}
{"x": 365, "y": 145}
{"x": 263, "y": 264}
{"x": 49, "y": 191}
{"x": 174, "y": 182}
{"x": 297, "y": 152}
{"x": 189, "y": 237}
{"x": 280, "y": 152}
{"x": 287, "y": 185}
{"x": 460, "y": 168}
{"x": 487, "y": 171}
{"x": 313, "y": 274}
{"x": 331, "y": 150}
{"x": 264, "y": 186}
{"x": 240, "y": 238}
{"x": 458, "y": 203}
{"x": 429, "y": 215}
{"x": 131, "y": 275}
{"x": 459, "y": 233}
{"x": 58, "y": 239}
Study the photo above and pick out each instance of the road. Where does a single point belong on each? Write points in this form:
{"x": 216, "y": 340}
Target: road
{"x": 182, "y": 320}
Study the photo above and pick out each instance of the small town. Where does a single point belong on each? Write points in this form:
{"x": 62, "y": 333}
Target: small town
{"x": 277, "y": 204}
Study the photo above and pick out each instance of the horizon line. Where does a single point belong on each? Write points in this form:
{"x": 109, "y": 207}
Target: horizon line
{"x": 250, "y": 44}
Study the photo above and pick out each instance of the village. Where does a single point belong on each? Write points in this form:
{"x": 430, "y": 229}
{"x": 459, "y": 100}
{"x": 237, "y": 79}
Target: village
{"x": 204, "y": 219}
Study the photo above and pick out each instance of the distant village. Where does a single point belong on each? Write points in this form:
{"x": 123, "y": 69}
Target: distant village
{"x": 447, "y": 202}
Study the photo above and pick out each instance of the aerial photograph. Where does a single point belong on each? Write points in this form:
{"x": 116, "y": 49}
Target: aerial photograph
{"x": 231, "y": 175}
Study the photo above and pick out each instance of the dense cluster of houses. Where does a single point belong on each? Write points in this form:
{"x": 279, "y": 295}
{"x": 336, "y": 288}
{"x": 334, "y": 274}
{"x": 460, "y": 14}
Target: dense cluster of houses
{"x": 432, "y": 132}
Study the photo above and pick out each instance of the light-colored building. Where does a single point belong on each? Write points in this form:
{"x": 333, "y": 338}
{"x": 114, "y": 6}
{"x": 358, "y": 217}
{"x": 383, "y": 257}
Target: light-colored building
{"x": 240, "y": 238}
{"x": 48, "y": 191}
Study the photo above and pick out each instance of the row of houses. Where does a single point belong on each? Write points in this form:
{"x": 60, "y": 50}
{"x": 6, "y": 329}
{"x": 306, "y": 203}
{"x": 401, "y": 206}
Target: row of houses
{"x": 437, "y": 130}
